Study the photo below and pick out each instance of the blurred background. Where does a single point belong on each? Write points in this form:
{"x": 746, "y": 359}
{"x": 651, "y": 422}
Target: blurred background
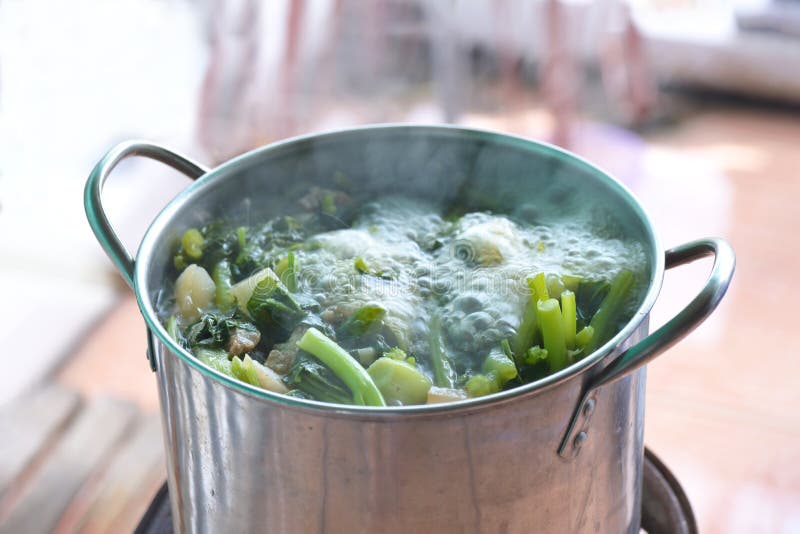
{"x": 694, "y": 104}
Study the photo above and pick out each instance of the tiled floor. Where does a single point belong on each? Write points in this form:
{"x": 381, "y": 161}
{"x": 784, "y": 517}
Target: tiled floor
{"x": 723, "y": 405}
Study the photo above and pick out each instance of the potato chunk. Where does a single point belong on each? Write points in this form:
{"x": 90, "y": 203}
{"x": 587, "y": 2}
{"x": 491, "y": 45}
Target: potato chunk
{"x": 194, "y": 292}
{"x": 437, "y": 395}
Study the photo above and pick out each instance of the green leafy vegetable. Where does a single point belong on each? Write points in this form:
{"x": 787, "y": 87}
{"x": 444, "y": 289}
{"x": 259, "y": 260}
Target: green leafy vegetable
{"x": 588, "y": 298}
{"x": 607, "y": 318}
{"x": 365, "y": 321}
{"x": 286, "y": 270}
{"x": 443, "y": 374}
{"x": 501, "y": 365}
{"x": 245, "y": 373}
{"x": 343, "y": 365}
{"x": 361, "y": 266}
{"x": 214, "y": 358}
{"x": 538, "y": 286}
{"x": 568, "y": 313}
{"x": 526, "y": 333}
{"x": 400, "y": 382}
{"x": 583, "y": 337}
{"x": 222, "y": 281}
{"x": 273, "y": 308}
{"x": 317, "y": 381}
{"x": 552, "y": 325}
{"x": 214, "y": 329}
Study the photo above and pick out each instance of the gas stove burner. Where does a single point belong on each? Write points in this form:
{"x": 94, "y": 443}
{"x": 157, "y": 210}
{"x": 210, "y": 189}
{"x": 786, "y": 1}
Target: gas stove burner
{"x": 665, "y": 508}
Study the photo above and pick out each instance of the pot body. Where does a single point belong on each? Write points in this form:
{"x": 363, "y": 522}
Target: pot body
{"x": 242, "y": 460}
{"x": 239, "y": 464}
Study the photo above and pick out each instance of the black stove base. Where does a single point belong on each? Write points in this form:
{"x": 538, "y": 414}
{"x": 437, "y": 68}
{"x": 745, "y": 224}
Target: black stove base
{"x": 665, "y": 508}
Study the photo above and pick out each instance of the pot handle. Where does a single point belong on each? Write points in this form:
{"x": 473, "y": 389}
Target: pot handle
{"x": 93, "y": 202}
{"x": 662, "y": 339}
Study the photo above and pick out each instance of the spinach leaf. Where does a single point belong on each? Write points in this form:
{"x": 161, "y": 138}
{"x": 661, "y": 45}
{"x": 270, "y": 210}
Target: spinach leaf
{"x": 588, "y": 298}
{"x": 214, "y": 329}
{"x": 317, "y": 381}
{"x": 274, "y": 309}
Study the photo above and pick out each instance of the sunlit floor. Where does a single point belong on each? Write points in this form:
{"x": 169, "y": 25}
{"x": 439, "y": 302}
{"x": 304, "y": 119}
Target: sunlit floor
{"x": 723, "y": 406}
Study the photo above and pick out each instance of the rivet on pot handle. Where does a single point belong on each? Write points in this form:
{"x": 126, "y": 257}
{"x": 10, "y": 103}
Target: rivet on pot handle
{"x": 93, "y": 203}
{"x": 662, "y": 339}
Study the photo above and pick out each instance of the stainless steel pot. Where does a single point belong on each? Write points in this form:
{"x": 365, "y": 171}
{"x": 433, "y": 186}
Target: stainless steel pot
{"x": 563, "y": 454}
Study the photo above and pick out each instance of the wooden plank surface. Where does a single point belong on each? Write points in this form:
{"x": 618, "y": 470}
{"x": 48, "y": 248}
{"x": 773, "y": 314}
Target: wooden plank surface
{"x": 85, "y": 446}
{"x": 116, "y": 500}
{"x": 27, "y": 426}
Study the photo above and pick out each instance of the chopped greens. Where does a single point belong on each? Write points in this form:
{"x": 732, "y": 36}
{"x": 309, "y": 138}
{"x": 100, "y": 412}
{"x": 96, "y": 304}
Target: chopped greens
{"x": 343, "y": 365}
{"x": 317, "y": 381}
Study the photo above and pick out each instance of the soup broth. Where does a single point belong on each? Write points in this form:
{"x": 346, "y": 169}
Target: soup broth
{"x": 397, "y": 301}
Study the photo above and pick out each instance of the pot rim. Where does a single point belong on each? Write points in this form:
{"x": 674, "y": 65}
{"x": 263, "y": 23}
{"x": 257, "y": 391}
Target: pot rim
{"x": 160, "y": 222}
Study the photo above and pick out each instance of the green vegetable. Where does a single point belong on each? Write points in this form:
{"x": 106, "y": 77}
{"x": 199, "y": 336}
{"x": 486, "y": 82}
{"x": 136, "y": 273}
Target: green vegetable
{"x": 365, "y": 321}
{"x": 507, "y": 349}
{"x": 317, "y": 381}
{"x": 396, "y": 353}
{"x": 213, "y": 330}
{"x": 443, "y": 374}
{"x": 588, "y": 298}
{"x": 535, "y": 355}
{"x": 399, "y": 381}
{"x": 555, "y": 286}
{"x": 501, "y": 365}
{"x": 172, "y": 328}
{"x": 328, "y": 204}
{"x": 571, "y": 282}
{"x": 273, "y": 308}
{"x": 240, "y": 293}
{"x": 583, "y": 337}
{"x": 250, "y": 371}
{"x": 344, "y": 366}
{"x": 286, "y": 270}
{"x": 526, "y": 333}
{"x": 538, "y": 285}
{"x": 179, "y": 261}
{"x": 608, "y": 316}
{"x": 291, "y": 273}
{"x": 361, "y": 266}
{"x": 222, "y": 281}
{"x": 192, "y": 243}
{"x": 569, "y": 317}
{"x": 243, "y": 370}
{"x": 529, "y": 325}
{"x": 552, "y": 325}
{"x": 214, "y": 358}
{"x": 482, "y": 384}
